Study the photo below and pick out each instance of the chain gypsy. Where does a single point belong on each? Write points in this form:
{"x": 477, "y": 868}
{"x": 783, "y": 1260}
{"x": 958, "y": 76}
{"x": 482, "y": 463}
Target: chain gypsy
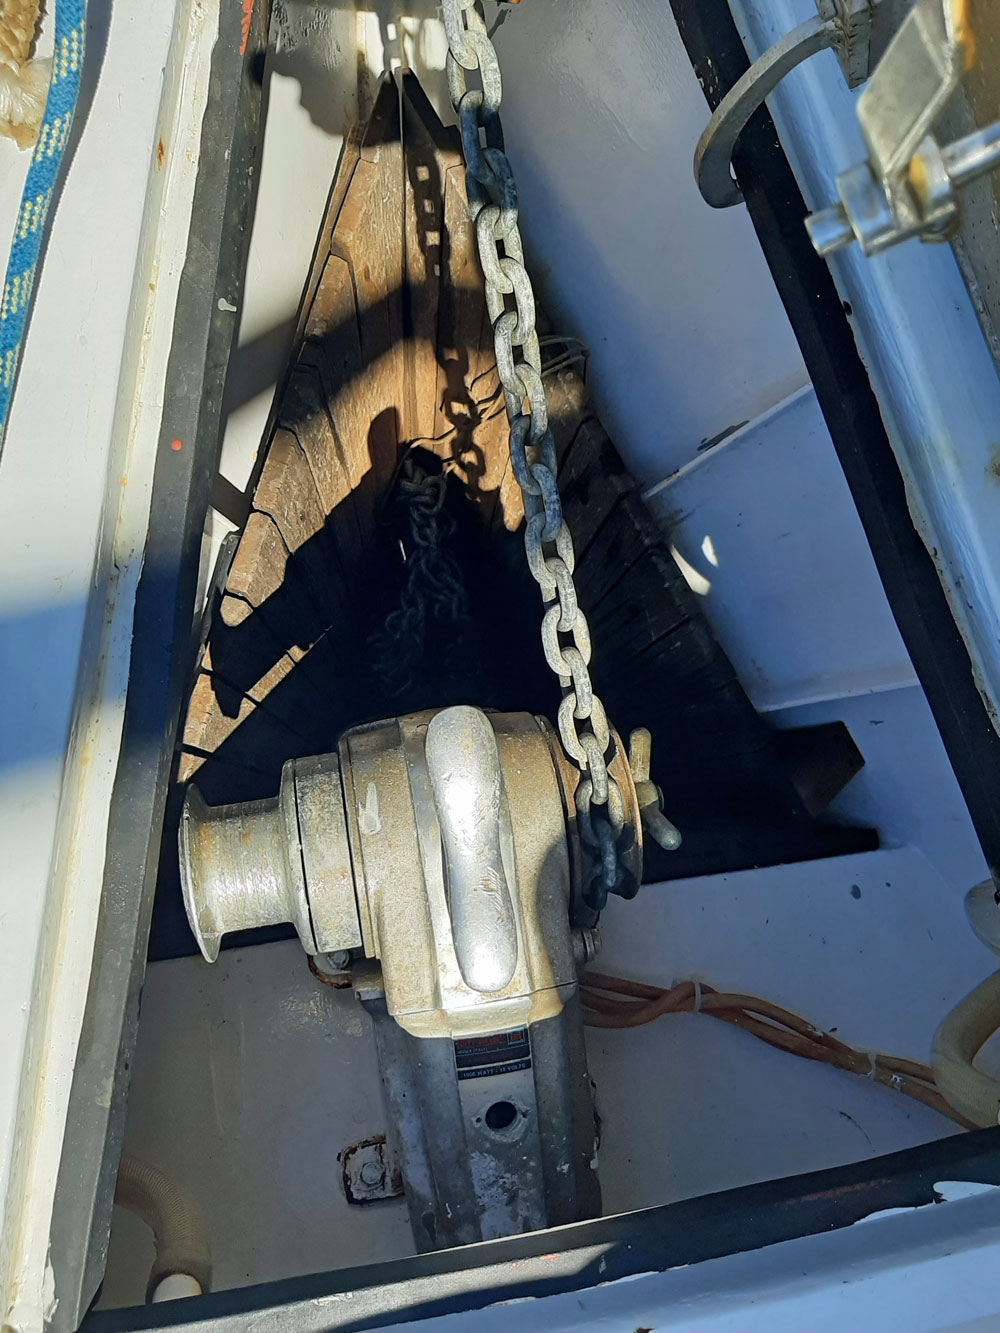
{"x": 492, "y": 194}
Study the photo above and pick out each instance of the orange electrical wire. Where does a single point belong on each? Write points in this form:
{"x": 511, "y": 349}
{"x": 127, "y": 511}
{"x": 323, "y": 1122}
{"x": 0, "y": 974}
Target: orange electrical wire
{"x": 768, "y": 1022}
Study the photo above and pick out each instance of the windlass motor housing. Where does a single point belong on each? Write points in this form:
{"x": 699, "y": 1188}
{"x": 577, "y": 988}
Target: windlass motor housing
{"x": 441, "y": 849}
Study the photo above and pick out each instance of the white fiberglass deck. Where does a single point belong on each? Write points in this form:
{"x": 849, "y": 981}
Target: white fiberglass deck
{"x": 250, "y": 1077}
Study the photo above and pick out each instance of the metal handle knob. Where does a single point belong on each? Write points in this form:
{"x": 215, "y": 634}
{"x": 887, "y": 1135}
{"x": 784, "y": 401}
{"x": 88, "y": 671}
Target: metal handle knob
{"x": 647, "y": 794}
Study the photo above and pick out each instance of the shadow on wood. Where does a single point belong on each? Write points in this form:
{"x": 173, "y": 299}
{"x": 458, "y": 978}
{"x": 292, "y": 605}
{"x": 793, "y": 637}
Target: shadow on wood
{"x": 381, "y": 569}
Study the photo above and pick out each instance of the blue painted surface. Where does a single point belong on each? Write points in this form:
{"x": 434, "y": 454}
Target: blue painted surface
{"x": 38, "y": 703}
{"x": 920, "y": 338}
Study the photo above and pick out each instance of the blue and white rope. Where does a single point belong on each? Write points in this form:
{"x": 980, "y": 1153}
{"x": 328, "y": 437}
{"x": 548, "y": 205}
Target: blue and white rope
{"x": 39, "y": 187}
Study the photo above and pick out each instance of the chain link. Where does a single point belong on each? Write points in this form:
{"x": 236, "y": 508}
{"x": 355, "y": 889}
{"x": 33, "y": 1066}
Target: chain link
{"x": 492, "y": 193}
{"x": 433, "y": 589}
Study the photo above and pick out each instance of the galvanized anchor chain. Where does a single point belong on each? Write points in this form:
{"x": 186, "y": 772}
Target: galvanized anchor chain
{"x": 492, "y": 194}
{"x": 434, "y": 586}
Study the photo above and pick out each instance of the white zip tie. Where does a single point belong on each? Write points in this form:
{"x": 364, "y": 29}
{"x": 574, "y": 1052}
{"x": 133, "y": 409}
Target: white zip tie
{"x": 697, "y": 996}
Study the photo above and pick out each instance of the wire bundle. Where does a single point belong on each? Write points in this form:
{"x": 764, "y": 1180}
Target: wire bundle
{"x": 614, "y": 1002}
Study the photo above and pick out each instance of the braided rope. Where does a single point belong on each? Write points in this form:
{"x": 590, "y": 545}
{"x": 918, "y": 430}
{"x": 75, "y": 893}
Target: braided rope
{"x": 39, "y": 187}
{"x": 18, "y": 26}
{"x": 24, "y": 81}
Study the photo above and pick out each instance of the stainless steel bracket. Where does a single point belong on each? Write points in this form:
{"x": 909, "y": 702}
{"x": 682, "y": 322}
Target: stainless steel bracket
{"x": 908, "y": 186}
{"x": 880, "y": 213}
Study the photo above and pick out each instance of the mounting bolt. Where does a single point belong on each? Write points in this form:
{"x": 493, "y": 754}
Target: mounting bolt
{"x": 372, "y": 1174}
{"x": 586, "y": 945}
{"x": 340, "y": 959}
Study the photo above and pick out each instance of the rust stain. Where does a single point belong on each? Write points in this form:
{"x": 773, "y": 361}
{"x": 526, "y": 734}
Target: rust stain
{"x": 161, "y": 152}
{"x": 918, "y": 175}
{"x": 978, "y": 29}
{"x": 962, "y": 25}
{"x": 391, "y": 1188}
{"x": 339, "y": 980}
{"x": 980, "y": 35}
{"x": 245, "y": 25}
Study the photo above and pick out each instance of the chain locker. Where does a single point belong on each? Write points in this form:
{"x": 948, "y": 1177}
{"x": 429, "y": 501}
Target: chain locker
{"x": 492, "y": 194}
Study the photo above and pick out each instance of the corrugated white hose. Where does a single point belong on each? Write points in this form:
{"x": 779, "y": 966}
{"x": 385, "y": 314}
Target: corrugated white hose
{"x": 959, "y": 1039}
{"x": 183, "y": 1264}
{"x": 24, "y": 83}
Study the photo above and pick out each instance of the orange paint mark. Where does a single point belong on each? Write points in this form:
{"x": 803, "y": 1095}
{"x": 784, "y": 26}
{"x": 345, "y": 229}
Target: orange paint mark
{"x": 245, "y": 25}
{"x": 176, "y": 445}
{"x": 161, "y": 151}
{"x": 961, "y": 22}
